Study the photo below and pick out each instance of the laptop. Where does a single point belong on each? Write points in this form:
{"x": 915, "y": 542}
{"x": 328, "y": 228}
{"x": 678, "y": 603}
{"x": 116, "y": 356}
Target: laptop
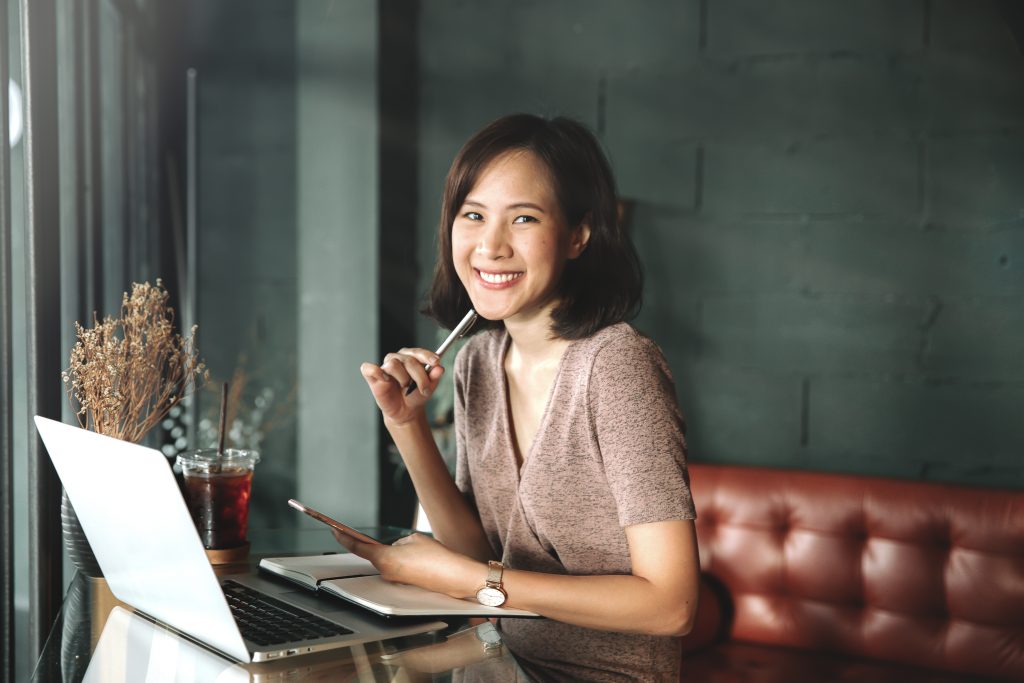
{"x": 140, "y": 530}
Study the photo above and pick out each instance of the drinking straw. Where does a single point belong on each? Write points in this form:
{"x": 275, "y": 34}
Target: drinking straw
{"x": 223, "y": 417}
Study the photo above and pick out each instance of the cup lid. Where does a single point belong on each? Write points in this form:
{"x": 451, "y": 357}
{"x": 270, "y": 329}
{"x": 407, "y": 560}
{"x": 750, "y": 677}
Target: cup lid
{"x": 209, "y": 460}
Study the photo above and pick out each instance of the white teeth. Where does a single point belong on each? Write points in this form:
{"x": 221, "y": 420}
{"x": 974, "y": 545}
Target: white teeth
{"x": 498, "y": 278}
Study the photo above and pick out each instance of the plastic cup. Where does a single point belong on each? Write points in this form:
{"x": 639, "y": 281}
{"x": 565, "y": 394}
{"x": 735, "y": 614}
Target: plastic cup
{"x": 217, "y": 491}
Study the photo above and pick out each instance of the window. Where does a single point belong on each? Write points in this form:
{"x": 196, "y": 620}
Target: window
{"x": 91, "y": 101}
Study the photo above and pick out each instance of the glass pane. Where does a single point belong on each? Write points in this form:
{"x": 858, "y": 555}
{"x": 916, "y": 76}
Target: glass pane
{"x": 125, "y": 156}
{"x": 18, "y": 365}
{"x": 143, "y": 224}
{"x": 111, "y": 51}
{"x": 68, "y": 85}
{"x": 247, "y": 296}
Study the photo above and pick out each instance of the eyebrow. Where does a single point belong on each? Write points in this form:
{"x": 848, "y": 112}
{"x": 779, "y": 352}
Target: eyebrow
{"x": 517, "y": 205}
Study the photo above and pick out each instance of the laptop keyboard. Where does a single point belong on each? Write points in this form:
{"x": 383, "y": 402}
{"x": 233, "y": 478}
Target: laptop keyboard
{"x": 266, "y": 621}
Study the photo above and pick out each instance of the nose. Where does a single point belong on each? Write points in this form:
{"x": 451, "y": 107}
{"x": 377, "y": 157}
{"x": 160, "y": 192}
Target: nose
{"x": 493, "y": 243}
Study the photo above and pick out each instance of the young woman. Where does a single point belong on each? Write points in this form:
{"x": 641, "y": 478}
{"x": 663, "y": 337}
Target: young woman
{"x": 571, "y": 471}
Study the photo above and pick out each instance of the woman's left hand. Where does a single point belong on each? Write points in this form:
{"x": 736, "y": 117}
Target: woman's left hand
{"x": 419, "y": 560}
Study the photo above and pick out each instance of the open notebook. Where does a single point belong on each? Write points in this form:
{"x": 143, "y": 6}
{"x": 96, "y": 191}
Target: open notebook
{"x": 354, "y": 579}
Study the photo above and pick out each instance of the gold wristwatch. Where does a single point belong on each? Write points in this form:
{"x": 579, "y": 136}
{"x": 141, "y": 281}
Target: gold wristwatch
{"x": 493, "y": 593}
{"x": 489, "y": 638}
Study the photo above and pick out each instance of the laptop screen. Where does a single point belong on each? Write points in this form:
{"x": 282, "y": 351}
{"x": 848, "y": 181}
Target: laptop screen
{"x": 133, "y": 514}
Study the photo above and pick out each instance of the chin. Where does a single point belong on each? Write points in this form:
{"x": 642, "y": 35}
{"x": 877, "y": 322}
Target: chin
{"x": 488, "y": 311}
{"x": 490, "y": 315}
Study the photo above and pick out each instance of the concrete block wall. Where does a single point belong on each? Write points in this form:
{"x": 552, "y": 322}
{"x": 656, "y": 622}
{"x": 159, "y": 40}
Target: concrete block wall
{"x": 827, "y": 203}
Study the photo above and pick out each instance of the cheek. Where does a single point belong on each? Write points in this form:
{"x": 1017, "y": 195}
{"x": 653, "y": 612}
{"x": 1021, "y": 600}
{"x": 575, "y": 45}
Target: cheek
{"x": 460, "y": 251}
{"x": 461, "y": 241}
{"x": 461, "y": 254}
{"x": 549, "y": 252}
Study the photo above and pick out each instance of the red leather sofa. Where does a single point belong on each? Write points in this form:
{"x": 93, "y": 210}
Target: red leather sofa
{"x": 827, "y": 577}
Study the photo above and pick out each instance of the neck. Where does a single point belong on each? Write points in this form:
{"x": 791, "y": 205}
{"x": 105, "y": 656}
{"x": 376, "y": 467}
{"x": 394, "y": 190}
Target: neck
{"x": 533, "y": 342}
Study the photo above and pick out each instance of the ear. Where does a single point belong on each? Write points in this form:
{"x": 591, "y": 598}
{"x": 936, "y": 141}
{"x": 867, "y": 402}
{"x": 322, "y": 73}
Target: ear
{"x": 579, "y": 237}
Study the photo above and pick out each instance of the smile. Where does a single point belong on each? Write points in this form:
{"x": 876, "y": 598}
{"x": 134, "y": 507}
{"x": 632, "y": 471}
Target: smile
{"x": 498, "y": 278}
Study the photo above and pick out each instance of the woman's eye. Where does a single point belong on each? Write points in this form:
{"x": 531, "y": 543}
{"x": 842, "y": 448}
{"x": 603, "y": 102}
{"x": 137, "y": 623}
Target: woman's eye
{"x": 473, "y": 216}
{"x": 525, "y": 219}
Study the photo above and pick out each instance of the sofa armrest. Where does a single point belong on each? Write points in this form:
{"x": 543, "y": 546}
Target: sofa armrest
{"x": 714, "y": 616}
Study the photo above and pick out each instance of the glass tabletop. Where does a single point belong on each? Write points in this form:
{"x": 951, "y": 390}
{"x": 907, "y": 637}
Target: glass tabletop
{"x": 97, "y": 638}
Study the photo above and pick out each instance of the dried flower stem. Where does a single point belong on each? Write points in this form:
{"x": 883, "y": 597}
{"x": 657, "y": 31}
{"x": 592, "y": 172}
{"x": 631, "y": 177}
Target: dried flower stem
{"x": 125, "y": 374}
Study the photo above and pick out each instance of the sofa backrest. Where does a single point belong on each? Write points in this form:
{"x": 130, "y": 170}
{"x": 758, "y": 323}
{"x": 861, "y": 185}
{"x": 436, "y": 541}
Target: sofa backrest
{"x": 913, "y": 572}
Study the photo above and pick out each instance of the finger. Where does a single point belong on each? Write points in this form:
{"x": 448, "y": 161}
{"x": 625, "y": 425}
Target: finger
{"x": 424, "y": 356}
{"x": 427, "y": 389}
{"x": 414, "y": 537}
{"x": 418, "y": 374}
{"x": 381, "y": 384}
{"x": 374, "y": 375}
{"x": 436, "y": 373}
{"x": 394, "y": 366}
{"x": 367, "y": 551}
{"x": 344, "y": 540}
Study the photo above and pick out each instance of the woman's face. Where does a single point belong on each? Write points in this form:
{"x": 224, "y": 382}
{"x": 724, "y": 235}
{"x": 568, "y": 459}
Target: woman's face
{"x": 510, "y": 242}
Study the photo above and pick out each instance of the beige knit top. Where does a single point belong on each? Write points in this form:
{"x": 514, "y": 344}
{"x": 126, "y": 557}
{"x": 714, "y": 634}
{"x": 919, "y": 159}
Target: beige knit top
{"x": 609, "y": 453}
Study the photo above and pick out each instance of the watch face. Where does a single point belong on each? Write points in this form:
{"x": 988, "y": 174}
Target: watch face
{"x": 491, "y": 597}
{"x": 488, "y": 635}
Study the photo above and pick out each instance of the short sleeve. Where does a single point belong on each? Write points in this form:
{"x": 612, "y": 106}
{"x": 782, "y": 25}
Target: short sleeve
{"x": 640, "y": 432}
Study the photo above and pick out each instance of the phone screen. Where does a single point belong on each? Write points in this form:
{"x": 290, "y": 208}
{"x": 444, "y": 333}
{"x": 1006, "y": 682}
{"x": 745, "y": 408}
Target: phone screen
{"x": 343, "y": 528}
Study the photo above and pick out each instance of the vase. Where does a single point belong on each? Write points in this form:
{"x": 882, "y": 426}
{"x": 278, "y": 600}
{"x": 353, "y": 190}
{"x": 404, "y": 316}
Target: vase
{"x": 77, "y": 545}
{"x": 76, "y": 634}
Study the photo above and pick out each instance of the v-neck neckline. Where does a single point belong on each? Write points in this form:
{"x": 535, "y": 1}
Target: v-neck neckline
{"x": 510, "y": 436}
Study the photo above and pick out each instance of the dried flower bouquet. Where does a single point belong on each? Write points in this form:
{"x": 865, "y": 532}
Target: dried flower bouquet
{"x": 126, "y": 373}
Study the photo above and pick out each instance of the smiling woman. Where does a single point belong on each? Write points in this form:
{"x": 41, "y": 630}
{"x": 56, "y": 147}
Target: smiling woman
{"x": 510, "y": 242}
{"x": 562, "y": 167}
{"x": 571, "y": 497}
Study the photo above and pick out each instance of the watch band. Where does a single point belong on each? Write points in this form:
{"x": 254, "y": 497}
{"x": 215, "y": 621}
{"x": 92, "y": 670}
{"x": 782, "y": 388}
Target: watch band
{"x": 495, "y": 570}
{"x": 493, "y": 592}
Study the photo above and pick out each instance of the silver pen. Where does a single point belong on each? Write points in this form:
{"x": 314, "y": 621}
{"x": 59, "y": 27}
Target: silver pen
{"x": 460, "y": 330}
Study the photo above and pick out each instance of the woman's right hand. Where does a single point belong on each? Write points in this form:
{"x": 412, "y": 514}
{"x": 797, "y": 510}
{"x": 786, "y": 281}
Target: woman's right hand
{"x": 389, "y": 381}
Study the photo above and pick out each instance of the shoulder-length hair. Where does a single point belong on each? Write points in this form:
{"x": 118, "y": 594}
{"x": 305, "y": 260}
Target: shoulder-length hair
{"x": 600, "y": 287}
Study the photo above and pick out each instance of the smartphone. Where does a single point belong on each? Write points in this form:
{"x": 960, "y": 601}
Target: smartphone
{"x": 343, "y": 528}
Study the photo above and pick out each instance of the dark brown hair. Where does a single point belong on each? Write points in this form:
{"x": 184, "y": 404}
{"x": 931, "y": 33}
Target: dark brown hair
{"x": 603, "y": 285}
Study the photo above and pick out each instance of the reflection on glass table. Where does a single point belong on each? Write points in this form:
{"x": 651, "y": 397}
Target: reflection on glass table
{"x": 132, "y": 648}
{"x": 96, "y": 638}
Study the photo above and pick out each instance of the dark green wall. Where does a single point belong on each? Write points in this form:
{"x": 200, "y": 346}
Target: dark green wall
{"x": 827, "y": 203}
